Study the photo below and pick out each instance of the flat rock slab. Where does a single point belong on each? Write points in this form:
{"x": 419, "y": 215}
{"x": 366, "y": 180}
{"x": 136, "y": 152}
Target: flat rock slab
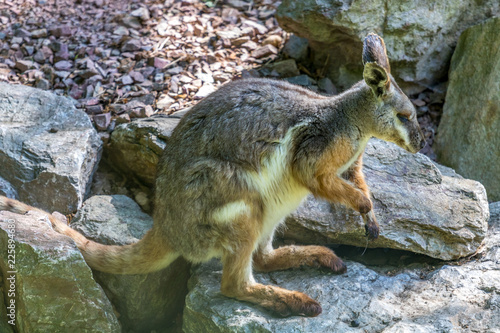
{"x": 136, "y": 147}
{"x": 54, "y": 288}
{"x": 418, "y": 208}
{"x": 49, "y": 150}
{"x": 462, "y": 298}
{"x": 145, "y": 302}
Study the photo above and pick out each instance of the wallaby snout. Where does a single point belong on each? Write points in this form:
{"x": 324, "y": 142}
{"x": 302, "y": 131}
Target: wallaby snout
{"x": 417, "y": 138}
{"x": 407, "y": 124}
{"x": 400, "y": 117}
{"x": 407, "y": 129}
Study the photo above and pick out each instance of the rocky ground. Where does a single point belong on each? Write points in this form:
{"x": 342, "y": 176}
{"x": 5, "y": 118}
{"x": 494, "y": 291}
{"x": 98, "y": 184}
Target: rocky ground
{"x": 132, "y": 59}
{"x": 149, "y": 56}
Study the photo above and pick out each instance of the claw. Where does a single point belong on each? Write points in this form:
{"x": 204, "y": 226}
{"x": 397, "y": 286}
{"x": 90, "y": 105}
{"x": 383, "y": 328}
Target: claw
{"x": 371, "y": 226}
{"x": 372, "y": 231}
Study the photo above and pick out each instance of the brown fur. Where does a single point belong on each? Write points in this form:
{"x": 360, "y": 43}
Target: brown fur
{"x": 127, "y": 259}
{"x": 331, "y": 186}
{"x": 238, "y": 283}
{"x": 355, "y": 175}
{"x": 245, "y": 157}
{"x": 297, "y": 256}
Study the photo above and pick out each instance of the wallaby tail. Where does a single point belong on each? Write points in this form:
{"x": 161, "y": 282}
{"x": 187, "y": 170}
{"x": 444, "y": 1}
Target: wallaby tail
{"x": 148, "y": 255}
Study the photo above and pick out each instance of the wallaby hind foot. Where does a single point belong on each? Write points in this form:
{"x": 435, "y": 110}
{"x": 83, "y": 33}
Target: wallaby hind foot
{"x": 293, "y": 256}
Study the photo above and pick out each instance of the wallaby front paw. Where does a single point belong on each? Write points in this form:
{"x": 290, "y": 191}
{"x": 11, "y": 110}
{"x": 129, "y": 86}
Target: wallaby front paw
{"x": 364, "y": 205}
{"x": 372, "y": 231}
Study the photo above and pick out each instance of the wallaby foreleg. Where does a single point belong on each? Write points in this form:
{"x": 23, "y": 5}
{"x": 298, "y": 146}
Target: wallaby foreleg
{"x": 355, "y": 175}
{"x": 335, "y": 189}
{"x": 371, "y": 225}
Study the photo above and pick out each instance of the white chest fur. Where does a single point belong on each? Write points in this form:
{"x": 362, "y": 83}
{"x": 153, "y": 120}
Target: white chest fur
{"x": 360, "y": 149}
{"x": 279, "y": 190}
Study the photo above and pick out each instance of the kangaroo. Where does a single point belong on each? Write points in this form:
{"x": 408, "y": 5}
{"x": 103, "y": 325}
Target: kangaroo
{"x": 244, "y": 158}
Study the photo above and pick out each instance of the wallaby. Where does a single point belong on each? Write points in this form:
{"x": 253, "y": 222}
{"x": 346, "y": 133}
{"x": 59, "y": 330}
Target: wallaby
{"x": 244, "y": 158}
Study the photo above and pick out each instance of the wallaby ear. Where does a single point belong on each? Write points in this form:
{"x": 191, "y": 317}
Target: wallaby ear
{"x": 374, "y": 51}
{"x": 377, "y": 78}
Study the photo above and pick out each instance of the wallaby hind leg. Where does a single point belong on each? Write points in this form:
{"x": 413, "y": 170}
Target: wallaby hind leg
{"x": 267, "y": 259}
{"x": 238, "y": 282}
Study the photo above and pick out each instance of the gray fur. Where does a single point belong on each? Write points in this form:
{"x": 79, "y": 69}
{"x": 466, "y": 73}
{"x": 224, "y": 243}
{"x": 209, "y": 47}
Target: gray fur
{"x": 234, "y": 129}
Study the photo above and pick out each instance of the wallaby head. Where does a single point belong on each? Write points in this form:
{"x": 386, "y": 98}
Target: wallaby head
{"x": 395, "y": 117}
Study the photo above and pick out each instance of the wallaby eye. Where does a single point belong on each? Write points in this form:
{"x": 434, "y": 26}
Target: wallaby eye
{"x": 403, "y": 118}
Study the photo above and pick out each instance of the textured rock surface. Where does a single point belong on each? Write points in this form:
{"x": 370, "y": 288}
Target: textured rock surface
{"x": 48, "y": 149}
{"x": 55, "y": 290}
{"x": 5, "y": 327}
{"x": 6, "y": 189}
{"x": 418, "y": 298}
{"x": 145, "y": 302}
{"x": 469, "y": 133}
{"x": 418, "y": 209}
{"x": 420, "y": 35}
{"x": 136, "y": 147}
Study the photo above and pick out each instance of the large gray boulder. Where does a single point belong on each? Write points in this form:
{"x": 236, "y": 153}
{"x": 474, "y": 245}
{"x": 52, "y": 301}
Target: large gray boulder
{"x": 420, "y": 35}
{"x": 469, "y": 133}
{"x": 48, "y": 149}
{"x": 53, "y": 286}
{"x": 455, "y": 297}
{"x": 418, "y": 208}
{"x": 136, "y": 147}
{"x": 146, "y": 302}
